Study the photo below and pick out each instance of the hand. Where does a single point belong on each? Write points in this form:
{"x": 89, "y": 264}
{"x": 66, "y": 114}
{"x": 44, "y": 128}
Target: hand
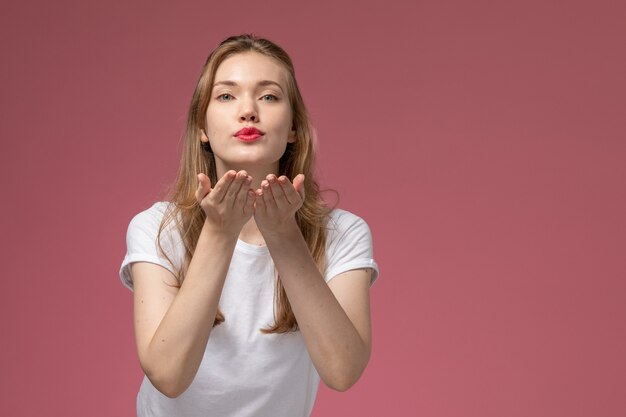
{"x": 230, "y": 204}
{"x": 277, "y": 202}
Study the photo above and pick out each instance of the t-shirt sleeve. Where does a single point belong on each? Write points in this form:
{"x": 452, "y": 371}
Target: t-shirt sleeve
{"x": 141, "y": 243}
{"x": 349, "y": 245}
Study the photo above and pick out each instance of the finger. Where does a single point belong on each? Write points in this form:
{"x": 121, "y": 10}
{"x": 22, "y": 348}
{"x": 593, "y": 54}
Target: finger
{"x": 277, "y": 190}
{"x": 298, "y": 183}
{"x": 290, "y": 191}
{"x": 242, "y": 195}
{"x": 235, "y": 187}
{"x": 248, "y": 208}
{"x": 267, "y": 196}
{"x": 259, "y": 203}
{"x": 222, "y": 186}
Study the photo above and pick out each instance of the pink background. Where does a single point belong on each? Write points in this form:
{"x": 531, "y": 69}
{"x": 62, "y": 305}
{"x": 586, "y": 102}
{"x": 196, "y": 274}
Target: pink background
{"x": 483, "y": 141}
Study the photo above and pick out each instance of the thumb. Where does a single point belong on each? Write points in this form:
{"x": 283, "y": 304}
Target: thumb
{"x": 204, "y": 186}
{"x": 298, "y": 184}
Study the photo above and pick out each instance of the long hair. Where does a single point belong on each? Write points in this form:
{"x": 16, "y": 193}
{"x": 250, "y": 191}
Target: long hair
{"x": 299, "y": 157}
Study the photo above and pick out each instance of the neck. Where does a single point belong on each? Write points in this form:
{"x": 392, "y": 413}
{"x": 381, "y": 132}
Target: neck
{"x": 250, "y": 233}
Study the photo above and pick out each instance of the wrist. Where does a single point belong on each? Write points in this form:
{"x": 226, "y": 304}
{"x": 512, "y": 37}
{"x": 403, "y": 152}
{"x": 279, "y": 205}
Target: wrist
{"x": 285, "y": 231}
{"x": 211, "y": 231}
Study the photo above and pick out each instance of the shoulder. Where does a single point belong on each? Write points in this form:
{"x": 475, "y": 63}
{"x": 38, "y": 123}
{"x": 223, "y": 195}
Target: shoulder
{"x": 346, "y": 229}
{"x": 151, "y": 217}
{"x": 154, "y": 212}
{"x": 342, "y": 221}
{"x": 147, "y": 223}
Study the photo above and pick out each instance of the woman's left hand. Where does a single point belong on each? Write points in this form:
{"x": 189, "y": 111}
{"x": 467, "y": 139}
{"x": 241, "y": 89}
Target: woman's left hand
{"x": 277, "y": 202}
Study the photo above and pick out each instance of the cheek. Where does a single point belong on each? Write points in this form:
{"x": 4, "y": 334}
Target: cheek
{"x": 284, "y": 118}
{"x": 215, "y": 122}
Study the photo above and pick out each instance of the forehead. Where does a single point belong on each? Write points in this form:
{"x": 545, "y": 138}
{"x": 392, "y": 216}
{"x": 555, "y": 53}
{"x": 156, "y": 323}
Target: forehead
{"x": 250, "y": 67}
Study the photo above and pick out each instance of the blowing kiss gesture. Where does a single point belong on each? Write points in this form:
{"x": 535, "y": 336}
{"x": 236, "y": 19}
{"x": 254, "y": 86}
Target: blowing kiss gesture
{"x": 231, "y": 203}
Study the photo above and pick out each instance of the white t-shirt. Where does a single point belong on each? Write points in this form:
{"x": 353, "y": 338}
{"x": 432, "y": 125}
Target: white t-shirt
{"x": 245, "y": 372}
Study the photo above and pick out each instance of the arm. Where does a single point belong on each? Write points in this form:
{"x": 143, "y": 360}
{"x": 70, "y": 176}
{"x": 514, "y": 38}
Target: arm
{"x": 172, "y": 326}
{"x": 334, "y": 318}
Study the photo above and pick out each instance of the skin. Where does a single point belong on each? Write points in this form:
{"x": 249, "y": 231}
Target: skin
{"x": 249, "y": 202}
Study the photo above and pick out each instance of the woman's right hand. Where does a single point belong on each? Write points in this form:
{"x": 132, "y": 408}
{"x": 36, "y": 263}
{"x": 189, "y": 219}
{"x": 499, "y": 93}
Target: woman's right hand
{"x": 228, "y": 205}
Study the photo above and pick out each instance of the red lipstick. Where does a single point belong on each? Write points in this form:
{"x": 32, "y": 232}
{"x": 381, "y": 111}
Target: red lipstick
{"x": 248, "y": 134}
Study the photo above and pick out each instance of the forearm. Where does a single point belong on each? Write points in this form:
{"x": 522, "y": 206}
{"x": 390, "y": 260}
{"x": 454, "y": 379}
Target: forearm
{"x": 337, "y": 350}
{"x": 178, "y": 345}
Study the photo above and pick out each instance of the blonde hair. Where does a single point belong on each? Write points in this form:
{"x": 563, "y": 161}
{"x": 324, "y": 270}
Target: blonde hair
{"x": 299, "y": 157}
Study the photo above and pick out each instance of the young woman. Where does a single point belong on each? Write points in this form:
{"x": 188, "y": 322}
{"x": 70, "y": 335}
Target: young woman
{"x": 247, "y": 288}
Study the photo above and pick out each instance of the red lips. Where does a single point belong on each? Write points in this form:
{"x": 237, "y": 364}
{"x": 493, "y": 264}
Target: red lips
{"x": 247, "y": 131}
{"x": 249, "y": 134}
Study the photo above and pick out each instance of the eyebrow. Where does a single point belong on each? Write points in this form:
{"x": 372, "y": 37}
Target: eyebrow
{"x": 261, "y": 83}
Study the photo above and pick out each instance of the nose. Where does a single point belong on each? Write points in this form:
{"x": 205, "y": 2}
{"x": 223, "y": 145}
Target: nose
{"x": 248, "y": 112}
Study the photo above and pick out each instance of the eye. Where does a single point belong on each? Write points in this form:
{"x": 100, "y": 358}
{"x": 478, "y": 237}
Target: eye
{"x": 224, "y": 97}
{"x": 269, "y": 97}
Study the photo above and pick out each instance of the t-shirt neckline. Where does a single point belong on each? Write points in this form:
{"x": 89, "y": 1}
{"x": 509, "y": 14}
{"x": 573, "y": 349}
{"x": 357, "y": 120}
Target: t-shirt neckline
{"x": 250, "y": 248}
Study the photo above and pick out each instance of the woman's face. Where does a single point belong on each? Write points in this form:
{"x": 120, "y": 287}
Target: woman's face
{"x": 249, "y": 91}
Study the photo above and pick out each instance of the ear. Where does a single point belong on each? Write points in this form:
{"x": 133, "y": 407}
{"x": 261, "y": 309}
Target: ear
{"x": 203, "y": 137}
{"x": 291, "y": 138}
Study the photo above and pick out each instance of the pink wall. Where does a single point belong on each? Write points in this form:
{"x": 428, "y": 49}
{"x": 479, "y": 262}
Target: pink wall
{"x": 484, "y": 143}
